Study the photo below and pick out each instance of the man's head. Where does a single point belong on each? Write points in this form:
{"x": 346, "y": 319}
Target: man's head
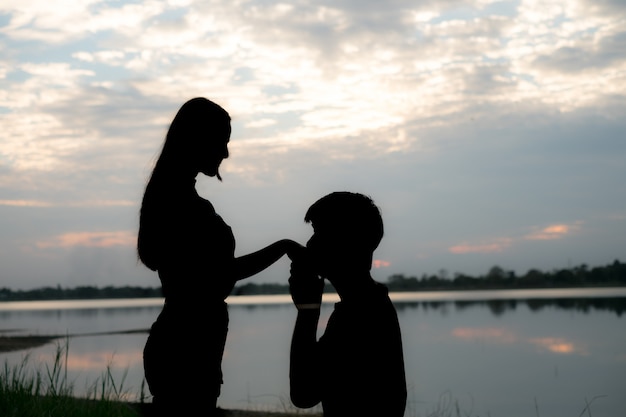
{"x": 347, "y": 228}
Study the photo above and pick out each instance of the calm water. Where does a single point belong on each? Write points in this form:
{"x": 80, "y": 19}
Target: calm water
{"x": 497, "y": 353}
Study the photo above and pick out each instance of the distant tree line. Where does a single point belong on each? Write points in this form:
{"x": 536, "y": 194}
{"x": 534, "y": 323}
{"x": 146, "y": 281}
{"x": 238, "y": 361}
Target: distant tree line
{"x": 496, "y": 278}
{"x": 78, "y": 293}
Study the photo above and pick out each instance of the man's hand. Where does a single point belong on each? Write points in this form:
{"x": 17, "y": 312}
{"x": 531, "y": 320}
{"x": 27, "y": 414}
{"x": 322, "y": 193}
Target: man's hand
{"x": 305, "y": 286}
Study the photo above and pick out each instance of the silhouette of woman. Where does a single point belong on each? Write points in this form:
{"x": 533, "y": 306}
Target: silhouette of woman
{"x": 192, "y": 249}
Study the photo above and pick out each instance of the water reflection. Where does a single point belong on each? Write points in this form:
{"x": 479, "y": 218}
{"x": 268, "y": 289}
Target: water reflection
{"x": 491, "y": 334}
{"x": 507, "y": 336}
{"x": 616, "y": 305}
{"x": 502, "y": 352}
{"x": 559, "y": 345}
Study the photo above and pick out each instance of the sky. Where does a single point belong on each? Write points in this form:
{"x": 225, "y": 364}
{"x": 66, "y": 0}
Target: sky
{"x": 488, "y": 132}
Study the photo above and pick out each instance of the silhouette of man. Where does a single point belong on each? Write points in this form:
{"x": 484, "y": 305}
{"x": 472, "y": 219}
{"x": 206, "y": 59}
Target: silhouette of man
{"x": 356, "y": 368}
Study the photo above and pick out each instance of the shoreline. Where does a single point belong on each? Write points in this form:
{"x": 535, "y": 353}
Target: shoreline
{"x": 17, "y": 343}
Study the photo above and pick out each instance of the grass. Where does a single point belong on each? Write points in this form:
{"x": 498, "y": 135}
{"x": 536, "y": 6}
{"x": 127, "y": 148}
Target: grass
{"x": 26, "y": 392}
{"x": 47, "y": 392}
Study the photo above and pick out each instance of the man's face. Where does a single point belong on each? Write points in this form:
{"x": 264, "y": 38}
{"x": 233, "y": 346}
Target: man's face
{"x": 327, "y": 250}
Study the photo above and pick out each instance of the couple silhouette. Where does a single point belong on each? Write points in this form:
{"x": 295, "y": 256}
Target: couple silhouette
{"x": 355, "y": 368}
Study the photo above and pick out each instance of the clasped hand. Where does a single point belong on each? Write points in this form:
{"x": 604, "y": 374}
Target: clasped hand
{"x": 305, "y": 286}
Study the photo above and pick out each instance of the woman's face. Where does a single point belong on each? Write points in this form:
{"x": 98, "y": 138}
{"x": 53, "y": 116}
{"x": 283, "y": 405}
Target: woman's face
{"x": 213, "y": 155}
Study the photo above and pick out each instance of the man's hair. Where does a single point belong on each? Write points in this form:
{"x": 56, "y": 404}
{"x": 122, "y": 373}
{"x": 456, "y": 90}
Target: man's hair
{"x": 348, "y": 213}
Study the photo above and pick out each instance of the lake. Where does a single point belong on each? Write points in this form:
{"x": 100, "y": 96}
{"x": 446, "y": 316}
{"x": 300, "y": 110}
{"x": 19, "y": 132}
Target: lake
{"x": 508, "y": 353}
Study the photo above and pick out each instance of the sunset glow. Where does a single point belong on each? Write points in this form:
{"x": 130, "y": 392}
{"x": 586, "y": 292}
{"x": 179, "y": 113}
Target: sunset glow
{"x": 90, "y": 239}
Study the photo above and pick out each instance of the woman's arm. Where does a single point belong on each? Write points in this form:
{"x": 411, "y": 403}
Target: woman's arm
{"x": 255, "y": 262}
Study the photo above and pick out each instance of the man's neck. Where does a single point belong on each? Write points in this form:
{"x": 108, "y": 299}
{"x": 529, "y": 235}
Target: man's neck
{"x": 352, "y": 286}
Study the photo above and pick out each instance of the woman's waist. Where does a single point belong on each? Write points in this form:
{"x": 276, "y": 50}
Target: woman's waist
{"x": 184, "y": 290}
{"x": 191, "y": 322}
{"x": 195, "y": 302}
{"x": 191, "y": 312}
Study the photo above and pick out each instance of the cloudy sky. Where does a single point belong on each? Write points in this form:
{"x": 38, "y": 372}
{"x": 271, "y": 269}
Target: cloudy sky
{"x": 489, "y": 132}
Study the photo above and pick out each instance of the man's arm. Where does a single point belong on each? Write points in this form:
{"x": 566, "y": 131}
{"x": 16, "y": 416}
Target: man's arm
{"x": 304, "y": 370}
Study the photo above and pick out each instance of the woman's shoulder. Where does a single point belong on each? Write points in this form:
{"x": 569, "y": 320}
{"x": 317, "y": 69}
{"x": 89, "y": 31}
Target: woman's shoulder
{"x": 205, "y": 205}
{"x": 206, "y": 212}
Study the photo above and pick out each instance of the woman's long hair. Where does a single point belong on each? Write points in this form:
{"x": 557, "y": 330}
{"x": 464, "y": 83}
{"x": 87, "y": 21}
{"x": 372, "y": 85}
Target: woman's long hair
{"x": 197, "y": 121}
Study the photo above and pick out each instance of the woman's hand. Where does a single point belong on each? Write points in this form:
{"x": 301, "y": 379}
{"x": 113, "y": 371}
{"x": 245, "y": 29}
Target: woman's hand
{"x": 253, "y": 263}
{"x": 294, "y": 250}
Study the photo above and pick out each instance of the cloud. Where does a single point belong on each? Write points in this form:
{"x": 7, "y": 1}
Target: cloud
{"x": 495, "y": 246}
{"x": 553, "y": 232}
{"x": 455, "y": 106}
{"x": 86, "y": 203}
{"x": 355, "y": 70}
{"x": 550, "y": 232}
{"x": 609, "y": 49}
{"x": 602, "y": 7}
{"x": 380, "y": 263}
{"x": 90, "y": 239}
{"x": 25, "y": 203}
{"x": 65, "y": 20}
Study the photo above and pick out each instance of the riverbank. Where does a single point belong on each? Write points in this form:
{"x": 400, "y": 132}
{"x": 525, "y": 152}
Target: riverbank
{"x": 16, "y": 343}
